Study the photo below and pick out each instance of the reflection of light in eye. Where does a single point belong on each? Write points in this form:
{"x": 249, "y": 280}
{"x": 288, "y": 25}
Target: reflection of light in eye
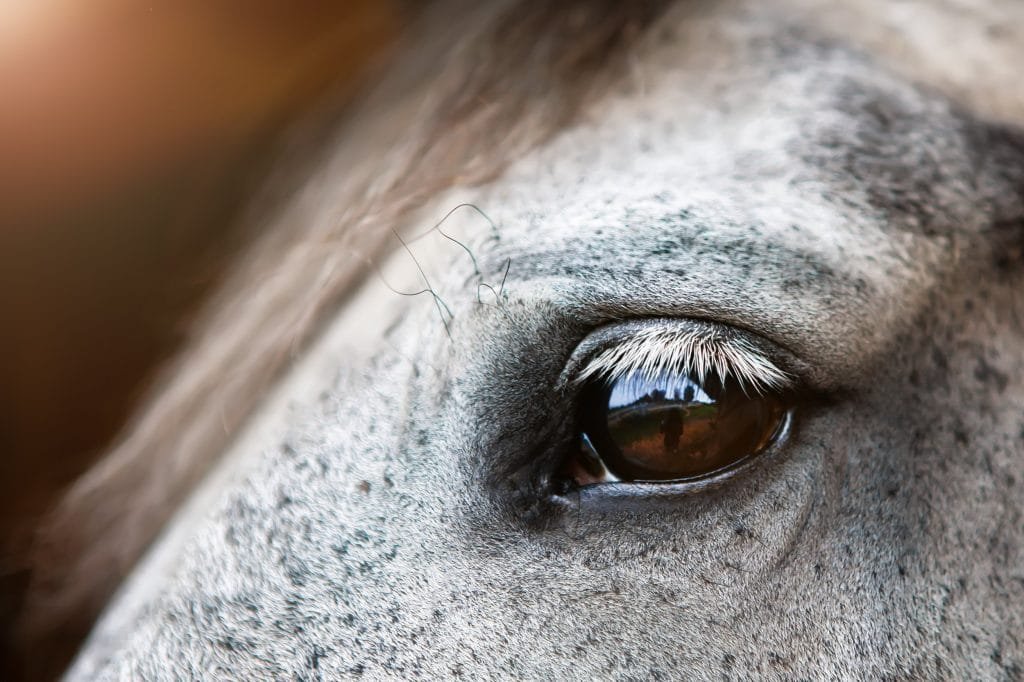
{"x": 669, "y": 427}
{"x": 679, "y": 387}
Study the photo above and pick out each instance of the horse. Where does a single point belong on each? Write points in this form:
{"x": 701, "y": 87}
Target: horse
{"x": 425, "y": 409}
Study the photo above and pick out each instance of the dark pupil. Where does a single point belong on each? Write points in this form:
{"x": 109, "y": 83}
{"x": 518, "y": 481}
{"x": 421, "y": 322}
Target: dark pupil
{"x": 674, "y": 426}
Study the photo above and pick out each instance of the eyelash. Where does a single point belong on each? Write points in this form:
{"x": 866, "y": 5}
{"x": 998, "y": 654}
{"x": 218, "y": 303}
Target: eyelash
{"x": 692, "y": 346}
{"x": 654, "y": 351}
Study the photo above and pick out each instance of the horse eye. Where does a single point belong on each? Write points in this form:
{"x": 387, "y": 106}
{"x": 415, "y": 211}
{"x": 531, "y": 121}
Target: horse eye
{"x": 670, "y": 427}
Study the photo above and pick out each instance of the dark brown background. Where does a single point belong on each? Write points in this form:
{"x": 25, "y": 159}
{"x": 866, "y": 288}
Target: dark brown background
{"x": 130, "y": 135}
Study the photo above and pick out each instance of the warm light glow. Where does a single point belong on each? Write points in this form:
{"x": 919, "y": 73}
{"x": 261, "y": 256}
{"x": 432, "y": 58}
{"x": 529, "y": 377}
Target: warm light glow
{"x": 97, "y": 92}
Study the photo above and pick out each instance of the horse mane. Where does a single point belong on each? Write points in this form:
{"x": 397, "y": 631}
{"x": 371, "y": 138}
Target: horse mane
{"x": 473, "y": 89}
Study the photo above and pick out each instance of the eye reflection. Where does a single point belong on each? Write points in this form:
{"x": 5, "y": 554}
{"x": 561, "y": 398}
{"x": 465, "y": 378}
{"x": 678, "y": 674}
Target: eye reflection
{"x": 670, "y": 427}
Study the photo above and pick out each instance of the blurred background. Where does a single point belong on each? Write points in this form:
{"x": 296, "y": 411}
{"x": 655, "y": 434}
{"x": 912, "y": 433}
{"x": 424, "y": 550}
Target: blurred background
{"x": 131, "y": 134}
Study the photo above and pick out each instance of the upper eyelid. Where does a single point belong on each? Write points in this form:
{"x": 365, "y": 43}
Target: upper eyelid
{"x": 656, "y": 345}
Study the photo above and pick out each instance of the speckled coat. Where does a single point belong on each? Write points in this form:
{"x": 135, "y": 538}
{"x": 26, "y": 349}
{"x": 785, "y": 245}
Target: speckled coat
{"x": 844, "y": 182}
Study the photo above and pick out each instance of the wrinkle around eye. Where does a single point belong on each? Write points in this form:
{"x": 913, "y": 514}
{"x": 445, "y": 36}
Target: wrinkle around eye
{"x": 826, "y": 357}
{"x": 832, "y": 289}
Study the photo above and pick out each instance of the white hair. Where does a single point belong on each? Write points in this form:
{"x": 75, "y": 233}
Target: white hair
{"x": 654, "y": 352}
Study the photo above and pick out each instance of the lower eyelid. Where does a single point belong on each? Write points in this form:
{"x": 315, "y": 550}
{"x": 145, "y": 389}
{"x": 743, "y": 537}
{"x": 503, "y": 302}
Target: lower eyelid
{"x": 645, "y": 493}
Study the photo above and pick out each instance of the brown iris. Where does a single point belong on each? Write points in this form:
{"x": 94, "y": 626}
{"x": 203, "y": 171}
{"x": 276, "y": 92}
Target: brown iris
{"x": 671, "y": 427}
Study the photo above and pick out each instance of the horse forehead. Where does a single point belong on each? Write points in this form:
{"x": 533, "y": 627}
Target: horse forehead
{"x": 775, "y": 144}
